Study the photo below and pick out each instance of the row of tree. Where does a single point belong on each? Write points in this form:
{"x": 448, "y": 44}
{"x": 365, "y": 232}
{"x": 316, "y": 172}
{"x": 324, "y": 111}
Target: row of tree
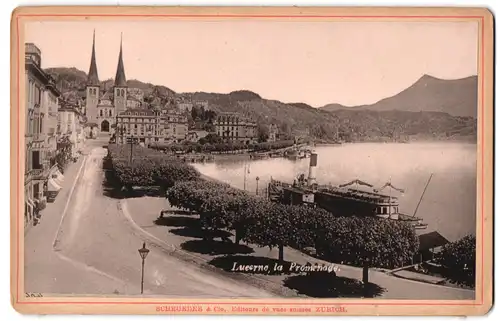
{"x": 350, "y": 240}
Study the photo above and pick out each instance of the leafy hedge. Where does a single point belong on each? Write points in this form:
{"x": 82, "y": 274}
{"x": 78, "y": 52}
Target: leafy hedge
{"x": 459, "y": 260}
{"x": 351, "y": 240}
{"x": 148, "y": 168}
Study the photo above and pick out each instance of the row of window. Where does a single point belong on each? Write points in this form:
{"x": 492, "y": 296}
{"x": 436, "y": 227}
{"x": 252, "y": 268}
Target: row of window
{"x": 386, "y": 209}
{"x": 166, "y": 126}
{"x": 106, "y": 113}
{"x": 156, "y": 132}
{"x": 120, "y": 92}
{"x": 151, "y": 120}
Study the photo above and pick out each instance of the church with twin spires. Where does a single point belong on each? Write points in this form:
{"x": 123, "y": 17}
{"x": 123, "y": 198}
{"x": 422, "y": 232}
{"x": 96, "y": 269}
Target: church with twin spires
{"x": 102, "y": 107}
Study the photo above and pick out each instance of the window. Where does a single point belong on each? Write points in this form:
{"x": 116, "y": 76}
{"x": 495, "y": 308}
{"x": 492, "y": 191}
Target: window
{"x": 110, "y": 113}
{"x": 36, "y": 160}
{"x": 101, "y": 113}
{"x": 38, "y": 95}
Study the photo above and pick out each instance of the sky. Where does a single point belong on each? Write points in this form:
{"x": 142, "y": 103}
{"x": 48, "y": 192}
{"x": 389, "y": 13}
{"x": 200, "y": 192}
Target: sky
{"x": 350, "y": 63}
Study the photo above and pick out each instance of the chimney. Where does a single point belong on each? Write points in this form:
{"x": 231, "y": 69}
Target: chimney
{"x": 311, "y": 179}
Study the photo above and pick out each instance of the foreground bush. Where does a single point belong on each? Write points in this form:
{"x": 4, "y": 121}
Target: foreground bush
{"x": 459, "y": 260}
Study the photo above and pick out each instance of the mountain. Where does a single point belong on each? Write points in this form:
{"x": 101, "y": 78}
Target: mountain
{"x": 455, "y": 97}
{"x": 386, "y": 120}
{"x": 74, "y": 80}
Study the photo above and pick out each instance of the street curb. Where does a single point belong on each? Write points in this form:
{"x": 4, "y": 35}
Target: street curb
{"x": 55, "y": 244}
{"x": 272, "y": 287}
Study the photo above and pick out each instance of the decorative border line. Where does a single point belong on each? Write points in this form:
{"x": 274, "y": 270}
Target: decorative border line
{"x": 339, "y": 302}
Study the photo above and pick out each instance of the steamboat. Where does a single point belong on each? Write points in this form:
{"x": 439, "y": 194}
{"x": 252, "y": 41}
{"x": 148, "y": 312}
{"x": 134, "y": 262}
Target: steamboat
{"x": 353, "y": 198}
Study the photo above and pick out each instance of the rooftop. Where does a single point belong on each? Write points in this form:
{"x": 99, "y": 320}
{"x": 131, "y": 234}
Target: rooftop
{"x": 431, "y": 240}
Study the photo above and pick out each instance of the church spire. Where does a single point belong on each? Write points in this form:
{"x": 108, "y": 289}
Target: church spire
{"x": 120, "y": 79}
{"x": 93, "y": 77}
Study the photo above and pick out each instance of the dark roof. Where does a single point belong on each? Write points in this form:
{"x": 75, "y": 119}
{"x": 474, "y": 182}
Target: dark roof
{"x": 93, "y": 78}
{"x": 120, "y": 79}
{"x": 431, "y": 240}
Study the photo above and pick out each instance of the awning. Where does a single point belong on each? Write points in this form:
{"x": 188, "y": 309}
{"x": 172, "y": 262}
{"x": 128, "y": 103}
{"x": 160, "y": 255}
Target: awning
{"x": 52, "y": 186}
{"x": 57, "y": 181}
{"x": 60, "y": 176}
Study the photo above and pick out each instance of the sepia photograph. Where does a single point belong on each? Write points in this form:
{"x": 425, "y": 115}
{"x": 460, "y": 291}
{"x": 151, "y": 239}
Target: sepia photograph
{"x": 204, "y": 157}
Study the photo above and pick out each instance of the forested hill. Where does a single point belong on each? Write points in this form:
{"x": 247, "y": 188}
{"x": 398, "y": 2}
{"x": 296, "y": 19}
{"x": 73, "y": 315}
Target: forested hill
{"x": 365, "y": 123}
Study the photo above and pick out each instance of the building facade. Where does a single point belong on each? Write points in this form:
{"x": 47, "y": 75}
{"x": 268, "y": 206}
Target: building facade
{"x": 70, "y": 125}
{"x": 101, "y": 108}
{"x": 42, "y": 99}
{"x": 233, "y": 127}
{"x": 273, "y": 133}
{"x": 151, "y": 126}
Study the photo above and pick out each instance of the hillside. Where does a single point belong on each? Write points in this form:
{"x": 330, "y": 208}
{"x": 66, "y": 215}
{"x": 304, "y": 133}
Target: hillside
{"x": 455, "y": 97}
{"x": 378, "y": 122}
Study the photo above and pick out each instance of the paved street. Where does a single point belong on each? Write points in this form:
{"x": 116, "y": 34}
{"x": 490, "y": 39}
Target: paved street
{"x": 96, "y": 248}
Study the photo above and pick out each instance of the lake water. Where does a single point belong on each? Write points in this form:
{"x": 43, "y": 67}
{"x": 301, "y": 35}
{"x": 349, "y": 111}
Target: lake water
{"x": 448, "y": 205}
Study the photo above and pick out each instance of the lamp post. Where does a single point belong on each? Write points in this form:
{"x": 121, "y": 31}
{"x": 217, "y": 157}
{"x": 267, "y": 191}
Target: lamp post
{"x": 257, "y": 185}
{"x": 143, "y": 252}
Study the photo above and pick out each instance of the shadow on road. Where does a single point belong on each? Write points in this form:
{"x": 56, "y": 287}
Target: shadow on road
{"x": 200, "y": 233}
{"x": 212, "y": 247}
{"x": 270, "y": 266}
{"x": 178, "y": 221}
{"x": 111, "y": 191}
{"x": 191, "y": 227}
{"x": 328, "y": 285}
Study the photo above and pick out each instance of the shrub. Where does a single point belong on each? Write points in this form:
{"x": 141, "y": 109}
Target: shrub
{"x": 459, "y": 260}
{"x": 147, "y": 168}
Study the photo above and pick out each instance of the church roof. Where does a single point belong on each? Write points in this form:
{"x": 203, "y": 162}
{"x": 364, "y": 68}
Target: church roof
{"x": 120, "y": 79}
{"x": 93, "y": 77}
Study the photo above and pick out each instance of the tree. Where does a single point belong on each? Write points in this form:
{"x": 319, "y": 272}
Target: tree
{"x": 262, "y": 132}
{"x": 209, "y": 116}
{"x": 194, "y": 113}
{"x": 268, "y": 225}
{"x": 211, "y": 138}
{"x": 368, "y": 242}
{"x": 459, "y": 260}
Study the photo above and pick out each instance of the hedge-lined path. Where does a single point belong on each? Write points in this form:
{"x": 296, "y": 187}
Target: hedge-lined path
{"x": 180, "y": 231}
{"x": 96, "y": 237}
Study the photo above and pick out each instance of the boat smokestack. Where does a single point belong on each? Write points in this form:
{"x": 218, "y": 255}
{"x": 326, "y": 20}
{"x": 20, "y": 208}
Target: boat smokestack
{"x": 311, "y": 179}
